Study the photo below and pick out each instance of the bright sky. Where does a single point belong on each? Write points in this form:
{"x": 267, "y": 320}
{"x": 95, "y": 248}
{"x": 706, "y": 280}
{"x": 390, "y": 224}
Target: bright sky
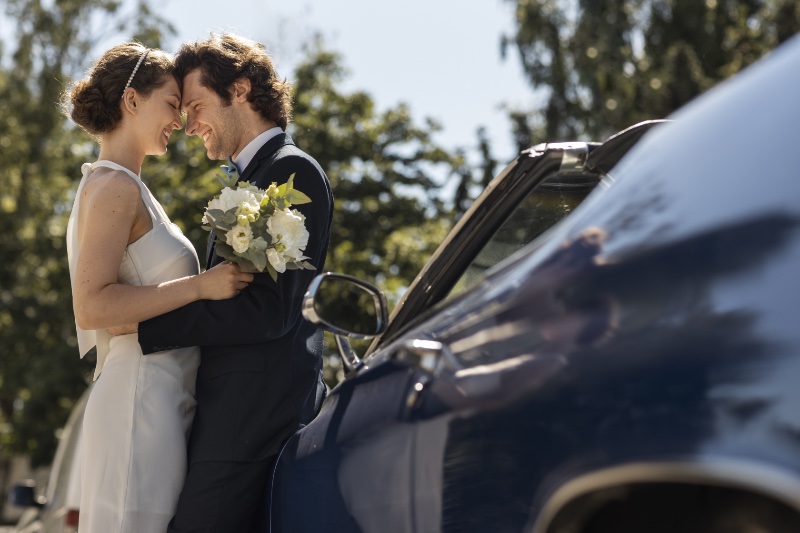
{"x": 440, "y": 57}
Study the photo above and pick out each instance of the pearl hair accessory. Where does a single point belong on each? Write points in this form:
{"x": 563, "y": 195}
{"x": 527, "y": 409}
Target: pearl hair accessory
{"x": 138, "y": 64}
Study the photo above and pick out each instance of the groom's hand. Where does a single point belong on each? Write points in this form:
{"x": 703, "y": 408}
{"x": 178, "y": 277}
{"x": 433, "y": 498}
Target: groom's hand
{"x": 123, "y": 330}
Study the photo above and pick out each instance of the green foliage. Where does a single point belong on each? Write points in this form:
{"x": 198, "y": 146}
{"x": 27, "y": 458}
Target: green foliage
{"x": 381, "y": 165}
{"x": 40, "y": 373}
{"x": 604, "y": 65}
{"x": 388, "y": 216}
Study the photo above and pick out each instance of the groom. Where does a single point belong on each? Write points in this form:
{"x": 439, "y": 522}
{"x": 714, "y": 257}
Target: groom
{"x": 260, "y": 377}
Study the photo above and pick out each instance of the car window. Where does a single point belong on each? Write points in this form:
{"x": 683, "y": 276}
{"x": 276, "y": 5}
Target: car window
{"x": 547, "y": 204}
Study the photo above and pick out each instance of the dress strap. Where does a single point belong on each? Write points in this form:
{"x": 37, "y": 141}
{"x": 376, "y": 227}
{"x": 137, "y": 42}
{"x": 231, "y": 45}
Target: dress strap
{"x": 110, "y": 164}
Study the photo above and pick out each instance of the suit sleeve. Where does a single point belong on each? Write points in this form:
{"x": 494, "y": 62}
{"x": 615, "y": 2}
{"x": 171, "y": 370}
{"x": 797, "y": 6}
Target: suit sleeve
{"x": 267, "y": 309}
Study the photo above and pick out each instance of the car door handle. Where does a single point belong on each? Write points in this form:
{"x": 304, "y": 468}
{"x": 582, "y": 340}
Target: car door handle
{"x": 429, "y": 356}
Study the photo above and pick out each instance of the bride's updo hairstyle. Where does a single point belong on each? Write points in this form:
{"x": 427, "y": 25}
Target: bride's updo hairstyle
{"x": 95, "y": 102}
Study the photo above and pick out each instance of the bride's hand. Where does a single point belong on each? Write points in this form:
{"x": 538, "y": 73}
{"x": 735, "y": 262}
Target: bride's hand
{"x": 225, "y": 280}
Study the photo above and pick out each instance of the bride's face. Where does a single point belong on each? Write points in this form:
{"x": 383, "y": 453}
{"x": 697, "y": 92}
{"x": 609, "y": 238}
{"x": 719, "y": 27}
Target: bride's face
{"x": 159, "y": 116}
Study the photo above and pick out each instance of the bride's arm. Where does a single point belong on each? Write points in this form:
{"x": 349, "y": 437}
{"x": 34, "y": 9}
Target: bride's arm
{"x": 110, "y": 206}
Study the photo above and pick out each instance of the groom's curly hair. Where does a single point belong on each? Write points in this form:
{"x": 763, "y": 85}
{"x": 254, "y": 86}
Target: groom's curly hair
{"x": 223, "y": 59}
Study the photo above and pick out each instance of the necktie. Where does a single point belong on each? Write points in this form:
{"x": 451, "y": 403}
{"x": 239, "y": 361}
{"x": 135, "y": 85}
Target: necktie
{"x": 231, "y": 173}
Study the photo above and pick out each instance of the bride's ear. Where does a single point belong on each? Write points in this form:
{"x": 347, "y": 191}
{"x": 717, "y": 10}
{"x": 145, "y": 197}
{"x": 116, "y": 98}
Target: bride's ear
{"x": 130, "y": 100}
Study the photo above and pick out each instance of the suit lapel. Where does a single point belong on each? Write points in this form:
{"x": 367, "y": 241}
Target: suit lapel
{"x": 210, "y": 249}
{"x": 265, "y": 152}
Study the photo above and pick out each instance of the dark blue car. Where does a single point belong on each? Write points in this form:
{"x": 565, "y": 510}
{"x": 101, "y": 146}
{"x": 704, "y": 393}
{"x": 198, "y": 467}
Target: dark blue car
{"x": 608, "y": 341}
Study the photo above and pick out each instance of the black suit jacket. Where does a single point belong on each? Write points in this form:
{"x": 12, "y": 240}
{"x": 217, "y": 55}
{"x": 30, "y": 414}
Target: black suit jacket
{"x": 260, "y": 375}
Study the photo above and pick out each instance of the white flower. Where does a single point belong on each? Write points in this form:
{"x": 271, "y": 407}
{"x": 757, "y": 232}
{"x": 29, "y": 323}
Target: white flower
{"x": 248, "y": 211}
{"x": 246, "y": 199}
{"x": 277, "y": 260}
{"x": 259, "y": 194}
{"x": 288, "y": 228}
{"x": 239, "y": 238}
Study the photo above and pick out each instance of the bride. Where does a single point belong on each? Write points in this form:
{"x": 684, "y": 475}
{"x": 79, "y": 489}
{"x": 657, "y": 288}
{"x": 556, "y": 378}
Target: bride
{"x": 128, "y": 263}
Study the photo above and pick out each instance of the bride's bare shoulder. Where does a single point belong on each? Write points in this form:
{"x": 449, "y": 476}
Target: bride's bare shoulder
{"x": 107, "y": 183}
{"x": 110, "y": 190}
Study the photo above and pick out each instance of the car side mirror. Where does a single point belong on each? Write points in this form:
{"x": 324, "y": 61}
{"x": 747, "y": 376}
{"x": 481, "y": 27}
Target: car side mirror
{"x": 347, "y": 307}
{"x": 24, "y": 495}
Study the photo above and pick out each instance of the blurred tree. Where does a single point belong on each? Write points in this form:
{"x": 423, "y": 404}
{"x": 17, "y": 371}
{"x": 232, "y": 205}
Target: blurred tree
{"x": 382, "y": 166}
{"x": 386, "y": 174}
{"x": 603, "y": 65}
{"x": 40, "y": 375}
{"x": 472, "y": 180}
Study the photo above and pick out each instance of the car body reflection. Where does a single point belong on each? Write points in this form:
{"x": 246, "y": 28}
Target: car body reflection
{"x": 628, "y": 366}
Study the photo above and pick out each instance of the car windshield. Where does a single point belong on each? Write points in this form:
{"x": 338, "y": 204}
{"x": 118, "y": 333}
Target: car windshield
{"x": 547, "y": 204}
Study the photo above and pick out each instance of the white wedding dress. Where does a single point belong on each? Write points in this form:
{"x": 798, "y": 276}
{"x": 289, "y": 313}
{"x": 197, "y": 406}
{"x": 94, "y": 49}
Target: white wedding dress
{"x": 140, "y": 411}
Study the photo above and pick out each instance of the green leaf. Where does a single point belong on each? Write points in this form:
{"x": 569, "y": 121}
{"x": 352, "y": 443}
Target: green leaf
{"x": 230, "y": 216}
{"x": 225, "y": 251}
{"x": 259, "y": 243}
{"x": 258, "y": 258}
{"x": 223, "y": 226}
{"x": 272, "y": 272}
{"x": 245, "y": 264}
{"x": 221, "y": 234}
{"x": 259, "y": 227}
{"x": 268, "y": 210}
{"x": 215, "y": 215}
{"x": 296, "y": 197}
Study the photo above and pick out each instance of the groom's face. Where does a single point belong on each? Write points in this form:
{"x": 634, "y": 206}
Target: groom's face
{"x": 208, "y": 117}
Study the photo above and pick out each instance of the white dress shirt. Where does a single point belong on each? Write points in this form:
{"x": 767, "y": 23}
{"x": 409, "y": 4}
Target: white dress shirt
{"x": 248, "y": 152}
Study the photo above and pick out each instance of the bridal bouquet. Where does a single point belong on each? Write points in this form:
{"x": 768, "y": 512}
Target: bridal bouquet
{"x": 256, "y": 228}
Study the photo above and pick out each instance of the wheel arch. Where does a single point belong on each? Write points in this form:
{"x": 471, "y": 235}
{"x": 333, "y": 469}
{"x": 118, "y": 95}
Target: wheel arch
{"x": 579, "y": 499}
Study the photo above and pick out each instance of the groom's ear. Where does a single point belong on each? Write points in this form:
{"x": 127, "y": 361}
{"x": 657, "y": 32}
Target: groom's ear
{"x": 241, "y": 90}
